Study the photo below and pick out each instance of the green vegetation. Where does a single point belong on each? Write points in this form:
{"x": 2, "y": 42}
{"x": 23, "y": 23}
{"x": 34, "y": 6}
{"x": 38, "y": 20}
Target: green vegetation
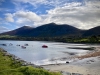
{"x": 66, "y": 39}
{"x": 9, "y": 67}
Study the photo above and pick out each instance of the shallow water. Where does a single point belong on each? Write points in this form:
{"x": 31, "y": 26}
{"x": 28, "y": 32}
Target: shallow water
{"x": 34, "y": 52}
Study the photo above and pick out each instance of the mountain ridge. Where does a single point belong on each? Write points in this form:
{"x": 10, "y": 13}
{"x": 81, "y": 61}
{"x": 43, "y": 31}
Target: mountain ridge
{"x": 52, "y": 30}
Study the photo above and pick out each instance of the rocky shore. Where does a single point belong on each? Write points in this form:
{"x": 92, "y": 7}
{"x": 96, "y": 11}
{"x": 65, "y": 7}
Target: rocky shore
{"x": 83, "y": 65}
{"x": 17, "y": 59}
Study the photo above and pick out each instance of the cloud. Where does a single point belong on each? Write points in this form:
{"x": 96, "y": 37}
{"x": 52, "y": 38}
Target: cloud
{"x": 23, "y": 18}
{"x": 28, "y": 15}
{"x": 26, "y": 18}
{"x": 32, "y": 2}
{"x": 36, "y": 3}
{"x": 9, "y": 17}
{"x": 3, "y": 29}
{"x": 83, "y": 16}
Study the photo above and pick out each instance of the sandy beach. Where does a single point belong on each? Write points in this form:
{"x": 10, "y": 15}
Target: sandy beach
{"x": 88, "y": 64}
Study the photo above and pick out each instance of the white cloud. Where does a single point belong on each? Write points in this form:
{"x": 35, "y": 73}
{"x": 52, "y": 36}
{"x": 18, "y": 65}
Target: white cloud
{"x": 3, "y": 29}
{"x": 23, "y": 18}
{"x": 83, "y": 16}
{"x": 26, "y": 18}
{"x": 28, "y": 15}
{"x": 9, "y": 17}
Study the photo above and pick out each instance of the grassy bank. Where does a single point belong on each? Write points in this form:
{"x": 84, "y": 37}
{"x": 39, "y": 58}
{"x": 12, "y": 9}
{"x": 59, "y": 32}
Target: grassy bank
{"x": 8, "y": 66}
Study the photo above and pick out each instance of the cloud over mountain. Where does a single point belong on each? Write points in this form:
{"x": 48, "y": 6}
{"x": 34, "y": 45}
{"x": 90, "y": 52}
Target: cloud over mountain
{"x": 83, "y": 14}
{"x": 77, "y": 14}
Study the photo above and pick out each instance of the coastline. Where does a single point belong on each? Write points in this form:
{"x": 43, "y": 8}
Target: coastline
{"x": 89, "y": 65}
{"x": 12, "y": 65}
{"x": 17, "y": 59}
{"x": 83, "y": 65}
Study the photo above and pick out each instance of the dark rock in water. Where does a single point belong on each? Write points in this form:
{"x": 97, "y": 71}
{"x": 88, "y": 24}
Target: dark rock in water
{"x": 23, "y": 47}
{"x": 72, "y": 53}
{"x": 76, "y": 74}
{"x": 26, "y": 45}
{"x": 68, "y": 73}
{"x": 92, "y": 60}
{"x": 65, "y": 73}
{"x": 67, "y": 61}
{"x": 3, "y": 44}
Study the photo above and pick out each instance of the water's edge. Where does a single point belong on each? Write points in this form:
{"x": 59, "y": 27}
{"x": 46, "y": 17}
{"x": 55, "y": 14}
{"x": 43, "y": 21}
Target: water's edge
{"x": 25, "y": 63}
{"x": 15, "y": 58}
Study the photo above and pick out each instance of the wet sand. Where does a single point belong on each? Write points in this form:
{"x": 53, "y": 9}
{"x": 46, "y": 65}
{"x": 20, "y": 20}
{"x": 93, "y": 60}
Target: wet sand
{"x": 88, "y": 64}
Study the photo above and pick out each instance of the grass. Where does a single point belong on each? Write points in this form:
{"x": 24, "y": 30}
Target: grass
{"x": 11, "y": 67}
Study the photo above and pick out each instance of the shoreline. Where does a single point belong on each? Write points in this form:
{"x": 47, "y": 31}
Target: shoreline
{"x": 17, "y": 59}
{"x": 79, "y": 66}
{"x": 94, "y": 53}
{"x": 10, "y": 66}
{"x": 83, "y": 65}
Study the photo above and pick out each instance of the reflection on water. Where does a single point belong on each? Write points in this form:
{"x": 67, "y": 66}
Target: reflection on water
{"x": 36, "y": 54}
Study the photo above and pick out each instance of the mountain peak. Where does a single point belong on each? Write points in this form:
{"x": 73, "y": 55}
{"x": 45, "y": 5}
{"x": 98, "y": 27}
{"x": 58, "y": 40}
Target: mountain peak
{"x": 25, "y": 27}
{"x": 51, "y": 23}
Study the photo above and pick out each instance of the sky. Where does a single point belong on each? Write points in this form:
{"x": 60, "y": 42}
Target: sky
{"x": 82, "y": 14}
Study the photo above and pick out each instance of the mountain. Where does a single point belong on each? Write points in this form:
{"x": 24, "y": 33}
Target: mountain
{"x": 47, "y": 30}
{"x": 93, "y": 31}
{"x": 52, "y": 29}
{"x": 20, "y": 31}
